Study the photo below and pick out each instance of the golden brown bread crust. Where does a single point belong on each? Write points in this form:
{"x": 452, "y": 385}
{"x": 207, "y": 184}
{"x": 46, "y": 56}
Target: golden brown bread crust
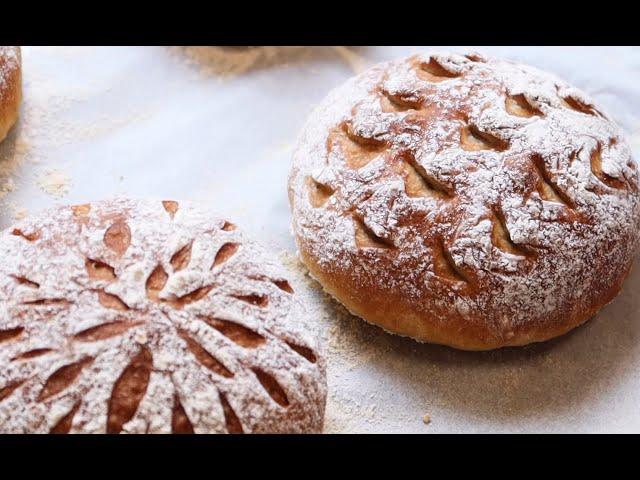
{"x": 10, "y": 88}
{"x": 465, "y": 201}
{"x": 391, "y": 313}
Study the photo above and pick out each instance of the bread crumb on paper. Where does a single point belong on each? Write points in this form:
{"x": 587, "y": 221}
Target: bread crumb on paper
{"x": 55, "y": 183}
{"x": 349, "y": 346}
{"x": 19, "y": 213}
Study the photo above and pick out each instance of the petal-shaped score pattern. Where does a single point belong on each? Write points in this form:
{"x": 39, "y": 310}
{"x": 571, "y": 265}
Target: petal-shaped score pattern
{"x": 181, "y": 258}
{"x": 180, "y": 423}
{"x": 231, "y": 419}
{"x": 118, "y": 237}
{"x": 129, "y": 390}
{"x": 225, "y": 253}
{"x": 237, "y": 333}
{"x": 65, "y": 423}
{"x": 128, "y": 335}
{"x": 272, "y": 387}
{"x": 62, "y": 378}
{"x": 104, "y": 331}
{"x": 98, "y": 270}
{"x": 10, "y": 334}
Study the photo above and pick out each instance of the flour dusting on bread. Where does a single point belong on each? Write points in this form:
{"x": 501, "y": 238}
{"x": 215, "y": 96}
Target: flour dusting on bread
{"x": 151, "y": 317}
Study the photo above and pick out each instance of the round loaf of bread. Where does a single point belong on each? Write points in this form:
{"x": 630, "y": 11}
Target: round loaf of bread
{"x": 150, "y": 317}
{"x": 10, "y": 88}
{"x": 465, "y": 201}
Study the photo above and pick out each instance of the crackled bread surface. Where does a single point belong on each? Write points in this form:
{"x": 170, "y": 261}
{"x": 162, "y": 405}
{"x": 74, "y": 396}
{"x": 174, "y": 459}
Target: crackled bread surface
{"x": 150, "y": 317}
{"x": 467, "y": 201}
{"x": 10, "y": 88}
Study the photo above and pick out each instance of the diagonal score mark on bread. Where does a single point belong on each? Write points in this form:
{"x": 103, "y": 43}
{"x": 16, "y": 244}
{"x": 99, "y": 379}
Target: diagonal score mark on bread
{"x": 595, "y": 161}
{"x": 579, "y": 106}
{"x": 418, "y": 183}
{"x": 25, "y": 281}
{"x": 501, "y": 237}
{"x": 398, "y": 102}
{"x": 443, "y": 264}
{"x": 180, "y": 259}
{"x": 546, "y": 187}
{"x": 473, "y": 139}
{"x": 358, "y": 151}
{"x": 98, "y": 270}
{"x": 319, "y": 193}
{"x": 365, "y": 238}
{"x": 434, "y": 71}
{"x": 129, "y": 390}
{"x": 519, "y": 106}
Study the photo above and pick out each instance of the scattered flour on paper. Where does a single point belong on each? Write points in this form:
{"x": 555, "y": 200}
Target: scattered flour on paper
{"x": 18, "y": 212}
{"x": 349, "y": 344}
{"x": 27, "y": 156}
{"x": 45, "y": 124}
{"x": 13, "y": 152}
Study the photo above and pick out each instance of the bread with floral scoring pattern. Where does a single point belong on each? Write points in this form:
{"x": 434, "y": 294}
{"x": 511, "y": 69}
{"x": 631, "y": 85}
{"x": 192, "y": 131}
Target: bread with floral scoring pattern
{"x": 142, "y": 316}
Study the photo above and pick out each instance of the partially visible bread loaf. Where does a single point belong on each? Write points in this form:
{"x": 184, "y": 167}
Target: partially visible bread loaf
{"x": 467, "y": 201}
{"x": 10, "y": 88}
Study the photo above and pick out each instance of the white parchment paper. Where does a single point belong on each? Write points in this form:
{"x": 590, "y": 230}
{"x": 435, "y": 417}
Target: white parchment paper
{"x": 155, "y": 121}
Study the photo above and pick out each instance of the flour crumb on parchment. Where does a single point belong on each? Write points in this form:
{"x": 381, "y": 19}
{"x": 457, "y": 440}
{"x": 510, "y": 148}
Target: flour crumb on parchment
{"x": 55, "y": 182}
